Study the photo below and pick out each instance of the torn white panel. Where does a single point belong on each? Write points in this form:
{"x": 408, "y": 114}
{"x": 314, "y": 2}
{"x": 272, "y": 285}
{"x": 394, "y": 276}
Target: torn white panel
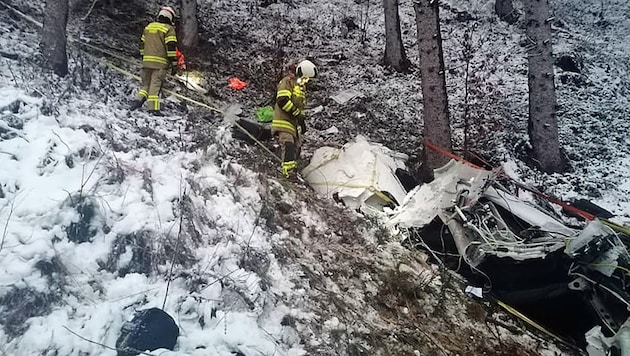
{"x": 476, "y": 291}
{"x": 332, "y": 130}
{"x": 588, "y": 241}
{"x": 357, "y": 173}
{"x": 528, "y": 212}
{"x": 344, "y": 96}
{"x": 315, "y": 110}
{"x": 600, "y": 345}
{"x": 594, "y": 230}
{"x": 453, "y": 181}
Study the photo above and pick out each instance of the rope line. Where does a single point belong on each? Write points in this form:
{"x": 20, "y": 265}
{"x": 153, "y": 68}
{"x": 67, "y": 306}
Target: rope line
{"x": 532, "y": 323}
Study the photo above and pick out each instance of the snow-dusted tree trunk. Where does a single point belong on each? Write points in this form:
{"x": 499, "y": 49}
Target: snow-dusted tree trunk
{"x": 189, "y": 27}
{"x": 53, "y": 45}
{"x": 433, "y": 82}
{"x": 542, "y": 124}
{"x": 394, "y": 50}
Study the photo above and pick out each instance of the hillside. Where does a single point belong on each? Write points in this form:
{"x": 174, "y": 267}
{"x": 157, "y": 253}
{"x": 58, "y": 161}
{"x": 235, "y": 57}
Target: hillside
{"x": 105, "y": 212}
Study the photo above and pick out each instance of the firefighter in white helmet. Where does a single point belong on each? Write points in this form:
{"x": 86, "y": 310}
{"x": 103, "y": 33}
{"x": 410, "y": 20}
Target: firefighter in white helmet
{"x": 158, "y": 50}
{"x": 288, "y": 123}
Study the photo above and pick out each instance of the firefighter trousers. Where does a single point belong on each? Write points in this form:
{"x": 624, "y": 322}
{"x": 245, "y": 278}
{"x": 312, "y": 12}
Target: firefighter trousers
{"x": 151, "y": 85}
{"x": 290, "y": 146}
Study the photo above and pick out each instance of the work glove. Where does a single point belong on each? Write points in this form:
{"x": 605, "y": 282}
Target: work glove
{"x": 181, "y": 61}
{"x": 301, "y": 124}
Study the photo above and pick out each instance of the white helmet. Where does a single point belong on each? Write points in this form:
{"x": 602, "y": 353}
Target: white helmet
{"x": 167, "y": 12}
{"x": 307, "y": 69}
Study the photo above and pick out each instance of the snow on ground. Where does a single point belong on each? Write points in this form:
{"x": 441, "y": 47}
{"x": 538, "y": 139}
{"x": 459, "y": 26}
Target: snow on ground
{"x": 52, "y": 168}
{"x": 89, "y": 232}
{"x": 97, "y": 204}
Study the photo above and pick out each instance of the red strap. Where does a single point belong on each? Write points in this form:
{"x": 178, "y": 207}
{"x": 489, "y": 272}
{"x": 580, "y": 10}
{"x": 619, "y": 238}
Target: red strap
{"x": 479, "y": 158}
{"x": 568, "y": 207}
{"x": 564, "y": 205}
{"x": 449, "y": 154}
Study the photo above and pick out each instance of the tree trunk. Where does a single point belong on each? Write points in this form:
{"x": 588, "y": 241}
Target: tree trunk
{"x": 53, "y": 45}
{"x": 505, "y": 10}
{"x": 189, "y": 27}
{"x": 433, "y": 82}
{"x": 394, "y": 50}
{"x": 542, "y": 124}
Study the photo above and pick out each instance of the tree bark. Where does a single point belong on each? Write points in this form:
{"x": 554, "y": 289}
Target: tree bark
{"x": 394, "y": 50}
{"x": 53, "y": 44}
{"x": 433, "y": 83}
{"x": 542, "y": 124}
{"x": 189, "y": 27}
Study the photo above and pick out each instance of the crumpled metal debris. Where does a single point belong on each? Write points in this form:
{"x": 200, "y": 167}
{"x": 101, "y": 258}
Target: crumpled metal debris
{"x": 344, "y": 96}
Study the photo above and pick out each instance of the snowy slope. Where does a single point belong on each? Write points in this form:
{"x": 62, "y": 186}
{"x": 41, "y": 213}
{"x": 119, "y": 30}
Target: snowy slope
{"x": 90, "y": 229}
{"x": 99, "y": 208}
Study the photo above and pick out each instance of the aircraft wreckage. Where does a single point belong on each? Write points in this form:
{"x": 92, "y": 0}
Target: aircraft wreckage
{"x": 574, "y": 278}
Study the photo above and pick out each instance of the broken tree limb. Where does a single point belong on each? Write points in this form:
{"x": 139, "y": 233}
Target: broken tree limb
{"x": 13, "y": 56}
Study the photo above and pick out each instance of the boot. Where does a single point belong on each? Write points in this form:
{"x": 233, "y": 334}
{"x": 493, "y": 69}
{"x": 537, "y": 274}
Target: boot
{"x": 294, "y": 177}
{"x": 156, "y": 113}
{"x": 135, "y": 104}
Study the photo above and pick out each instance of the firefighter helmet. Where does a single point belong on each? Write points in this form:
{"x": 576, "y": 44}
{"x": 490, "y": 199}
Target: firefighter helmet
{"x": 306, "y": 69}
{"x": 168, "y": 13}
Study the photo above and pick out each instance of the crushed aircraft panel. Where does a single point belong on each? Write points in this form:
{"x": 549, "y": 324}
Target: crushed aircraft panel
{"x": 423, "y": 203}
{"x": 527, "y": 255}
{"x": 361, "y": 174}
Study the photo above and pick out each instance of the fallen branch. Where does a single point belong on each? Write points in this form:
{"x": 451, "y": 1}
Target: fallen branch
{"x": 89, "y": 11}
{"x": 8, "y": 55}
{"x": 6, "y": 225}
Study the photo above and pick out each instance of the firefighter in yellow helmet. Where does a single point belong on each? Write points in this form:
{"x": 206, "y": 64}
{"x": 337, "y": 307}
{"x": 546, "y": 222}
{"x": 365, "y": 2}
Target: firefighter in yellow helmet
{"x": 158, "y": 50}
{"x": 288, "y": 117}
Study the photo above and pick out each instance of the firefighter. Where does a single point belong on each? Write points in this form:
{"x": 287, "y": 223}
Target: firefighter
{"x": 288, "y": 123}
{"x": 158, "y": 51}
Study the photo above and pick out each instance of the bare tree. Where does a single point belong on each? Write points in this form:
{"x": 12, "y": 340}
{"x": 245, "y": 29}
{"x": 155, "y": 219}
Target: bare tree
{"x": 394, "y": 50}
{"x": 53, "y": 44}
{"x": 433, "y": 82}
{"x": 542, "y": 124}
{"x": 189, "y": 27}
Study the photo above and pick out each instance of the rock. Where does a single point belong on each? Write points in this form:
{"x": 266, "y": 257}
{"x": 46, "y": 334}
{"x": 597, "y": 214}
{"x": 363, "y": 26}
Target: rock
{"x": 150, "y": 329}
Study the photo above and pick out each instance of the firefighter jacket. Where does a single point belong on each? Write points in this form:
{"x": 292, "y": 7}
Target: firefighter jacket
{"x": 158, "y": 46}
{"x": 288, "y": 112}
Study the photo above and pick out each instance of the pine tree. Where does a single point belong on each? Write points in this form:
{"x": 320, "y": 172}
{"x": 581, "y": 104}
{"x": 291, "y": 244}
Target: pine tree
{"x": 189, "y": 27}
{"x": 542, "y": 124}
{"x": 433, "y": 82}
{"x": 394, "y": 50}
{"x": 53, "y": 44}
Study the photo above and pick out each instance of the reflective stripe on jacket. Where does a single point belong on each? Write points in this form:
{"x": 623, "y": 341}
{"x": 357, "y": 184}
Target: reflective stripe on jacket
{"x": 158, "y": 45}
{"x": 290, "y": 103}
